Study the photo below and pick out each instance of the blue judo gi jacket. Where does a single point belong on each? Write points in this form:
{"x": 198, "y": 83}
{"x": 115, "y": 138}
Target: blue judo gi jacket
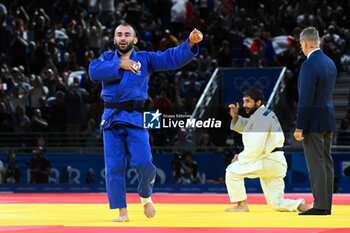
{"x": 120, "y": 85}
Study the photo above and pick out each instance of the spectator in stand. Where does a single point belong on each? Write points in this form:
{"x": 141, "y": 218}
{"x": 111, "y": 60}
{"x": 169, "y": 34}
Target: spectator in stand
{"x": 57, "y": 119}
{"x": 180, "y": 78}
{"x": 205, "y": 144}
{"x": 38, "y": 123}
{"x": 6, "y": 121}
{"x": 94, "y": 34}
{"x": 72, "y": 64}
{"x": 37, "y": 91}
{"x": 163, "y": 103}
{"x": 18, "y": 45}
{"x": 19, "y": 97}
{"x": 74, "y": 113}
{"x": 36, "y": 56}
{"x": 51, "y": 78}
{"x": 225, "y": 55}
{"x": 286, "y": 13}
{"x": 333, "y": 44}
{"x": 176, "y": 168}
{"x": 21, "y": 121}
{"x": 90, "y": 56}
{"x": 133, "y": 13}
{"x": 96, "y": 109}
{"x": 204, "y": 60}
{"x": 3, "y": 16}
{"x": 191, "y": 92}
{"x": 93, "y": 134}
{"x": 40, "y": 167}
{"x": 53, "y": 52}
{"x": 90, "y": 177}
{"x": 183, "y": 143}
{"x": 107, "y": 12}
{"x": 41, "y": 24}
{"x": 254, "y": 61}
{"x": 11, "y": 174}
{"x": 191, "y": 87}
{"x": 174, "y": 98}
{"x": 76, "y": 44}
{"x": 178, "y": 15}
{"x": 168, "y": 41}
{"x": 190, "y": 174}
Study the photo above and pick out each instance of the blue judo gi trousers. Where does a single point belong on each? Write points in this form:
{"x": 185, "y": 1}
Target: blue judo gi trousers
{"x": 120, "y": 142}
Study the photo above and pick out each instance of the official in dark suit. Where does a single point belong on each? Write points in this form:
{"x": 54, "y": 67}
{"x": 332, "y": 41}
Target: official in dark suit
{"x": 315, "y": 119}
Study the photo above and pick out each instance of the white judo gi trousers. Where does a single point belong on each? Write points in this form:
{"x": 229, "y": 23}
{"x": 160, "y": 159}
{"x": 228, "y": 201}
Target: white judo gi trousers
{"x": 271, "y": 179}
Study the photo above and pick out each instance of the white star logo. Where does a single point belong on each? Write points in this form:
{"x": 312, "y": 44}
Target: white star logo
{"x": 156, "y": 115}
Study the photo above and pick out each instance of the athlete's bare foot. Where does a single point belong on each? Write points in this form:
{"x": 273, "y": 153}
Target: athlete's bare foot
{"x": 123, "y": 216}
{"x": 149, "y": 210}
{"x": 302, "y": 207}
{"x": 240, "y": 207}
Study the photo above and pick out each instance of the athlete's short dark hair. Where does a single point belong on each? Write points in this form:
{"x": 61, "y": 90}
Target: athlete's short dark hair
{"x": 254, "y": 93}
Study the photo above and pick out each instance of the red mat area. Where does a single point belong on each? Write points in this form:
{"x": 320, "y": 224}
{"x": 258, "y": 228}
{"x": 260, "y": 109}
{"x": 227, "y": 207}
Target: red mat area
{"x": 101, "y": 198}
{"x": 63, "y": 229}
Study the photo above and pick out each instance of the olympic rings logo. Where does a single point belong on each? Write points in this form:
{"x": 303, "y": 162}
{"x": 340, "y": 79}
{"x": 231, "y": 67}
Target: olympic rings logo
{"x": 244, "y": 83}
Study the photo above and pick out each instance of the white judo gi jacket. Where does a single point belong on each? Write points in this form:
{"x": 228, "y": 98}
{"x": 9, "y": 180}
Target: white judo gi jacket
{"x": 261, "y": 134}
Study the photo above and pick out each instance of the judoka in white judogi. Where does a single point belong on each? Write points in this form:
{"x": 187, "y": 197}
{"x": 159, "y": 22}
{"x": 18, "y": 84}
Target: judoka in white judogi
{"x": 262, "y": 158}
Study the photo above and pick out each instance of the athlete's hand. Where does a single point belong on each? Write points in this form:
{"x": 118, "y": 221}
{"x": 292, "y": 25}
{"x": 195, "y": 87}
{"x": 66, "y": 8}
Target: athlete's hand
{"x": 127, "y": 64}
{"x": 298, "y": 134}
{"x": 235, "y": 158}
{"x": 234, "y": 111}
{"x": 195, "y": 37}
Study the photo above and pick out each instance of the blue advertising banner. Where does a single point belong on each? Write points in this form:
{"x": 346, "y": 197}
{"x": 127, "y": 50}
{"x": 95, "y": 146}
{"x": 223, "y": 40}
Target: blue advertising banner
{"x": 69, "y": 173}
{"x": 74, "y": 168}
{"x": 236, "y": 81}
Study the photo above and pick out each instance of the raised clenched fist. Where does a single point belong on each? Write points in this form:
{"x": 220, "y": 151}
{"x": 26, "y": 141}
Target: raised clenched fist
{"x": 196, "y": 36}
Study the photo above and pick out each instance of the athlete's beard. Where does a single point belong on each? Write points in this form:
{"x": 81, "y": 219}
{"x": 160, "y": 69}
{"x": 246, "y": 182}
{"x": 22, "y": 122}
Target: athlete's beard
{"x": 127, "y": 48}
{"x": 252, "y": 110}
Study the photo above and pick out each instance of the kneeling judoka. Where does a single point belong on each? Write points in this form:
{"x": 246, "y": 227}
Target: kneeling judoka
{"x": 262, "y": 156}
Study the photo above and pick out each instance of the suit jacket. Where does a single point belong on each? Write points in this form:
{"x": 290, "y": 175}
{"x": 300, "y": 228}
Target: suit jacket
{"x": 315, "y": 87}
{"x": 120, "y": 85}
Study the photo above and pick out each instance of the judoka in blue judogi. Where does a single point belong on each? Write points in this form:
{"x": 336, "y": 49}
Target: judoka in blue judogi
{"x": 124, "y": 74}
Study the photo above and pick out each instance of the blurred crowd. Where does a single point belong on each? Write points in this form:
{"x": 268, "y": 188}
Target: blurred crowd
{"x": 39, "y": 169}
{"x": 47, "y": 46}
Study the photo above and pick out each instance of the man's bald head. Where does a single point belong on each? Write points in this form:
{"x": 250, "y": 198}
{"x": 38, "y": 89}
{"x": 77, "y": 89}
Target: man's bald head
{"x": 127, "y": 27}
